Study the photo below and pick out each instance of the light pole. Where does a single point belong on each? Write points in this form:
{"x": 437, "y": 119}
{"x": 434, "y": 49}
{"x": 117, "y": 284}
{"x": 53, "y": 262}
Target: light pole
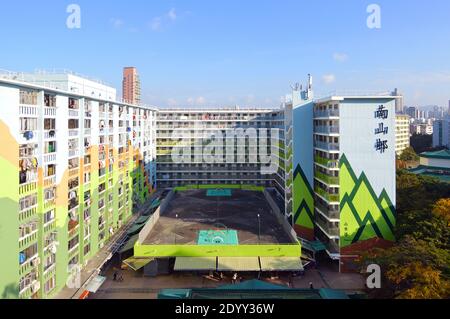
{"x": 176, "y": 224}
{"x": 259, "y": 229}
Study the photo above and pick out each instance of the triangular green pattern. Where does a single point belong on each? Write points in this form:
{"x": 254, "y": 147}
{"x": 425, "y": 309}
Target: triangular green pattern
{"x": 363, "y": 214}
{"x": 347, "y": 178}
{"x": 303, "y": 200}
{"x": 388, "y": 207}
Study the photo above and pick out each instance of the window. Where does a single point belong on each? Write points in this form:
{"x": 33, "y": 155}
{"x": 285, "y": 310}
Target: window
{"x": 50, "y": 100}
{"x": 50, "y": 170}
{"x": 28, "y": 202}
{"x": 49, "y": 216}
{"x": 28, "y": 97}
{"x": 49, "y": 124}
{"x": 28, "y": 124}
{"x": 87, "y": 249}
{"x": 50, "y": 285}
{"x": 87, "y": 177}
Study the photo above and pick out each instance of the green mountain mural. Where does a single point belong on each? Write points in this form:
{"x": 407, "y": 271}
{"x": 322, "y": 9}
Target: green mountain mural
{"x": 364, "y": 215}
{"x": 303, "y": 200}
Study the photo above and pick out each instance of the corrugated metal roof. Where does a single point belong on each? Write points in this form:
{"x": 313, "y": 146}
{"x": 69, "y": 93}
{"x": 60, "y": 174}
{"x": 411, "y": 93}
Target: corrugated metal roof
{"x": 238, "y": 264}
{"x": 281, "y": 264}
{"x": 195, "y": 263}
{"x": 137, "y": 263}
{"x": 130, "y": 244}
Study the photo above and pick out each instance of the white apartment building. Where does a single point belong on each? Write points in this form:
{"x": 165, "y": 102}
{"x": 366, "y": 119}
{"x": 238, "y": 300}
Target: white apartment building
{"x": 402, "y": 133}
{"x": 74, "y": 168}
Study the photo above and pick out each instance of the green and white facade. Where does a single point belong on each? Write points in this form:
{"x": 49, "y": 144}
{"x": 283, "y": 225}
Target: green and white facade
{"x": 74, "y": 167}
{"x": 345, "y": 180}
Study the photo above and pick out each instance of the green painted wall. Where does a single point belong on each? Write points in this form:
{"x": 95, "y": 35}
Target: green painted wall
{"x": 364, "y": 215}
{"x": 293, "y": 250}
{"x": 9, "y": 230}
{"x": 303, "y": 200}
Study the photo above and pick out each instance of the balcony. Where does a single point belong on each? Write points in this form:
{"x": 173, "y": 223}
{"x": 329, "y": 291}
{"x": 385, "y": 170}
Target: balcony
{"x": 49, "y": 111}
{"x": 330, "y": 229}
{"x": 331, "y": 198}
{"x": 27, "y": 214}
{"x": 74, "y": 113}
{"x": 48, "y": 204}
{"x": 49, "y": 158}
{"x": 328, "y": 163}
{"x": 74, "y": 152}
{"x": 29, "y": 257}
{"x": 329, "y": 147}
{"x": 49, "y": 134}
{"x": 50, "y": 226}
{"x": 28, "y": 186}
{"x": 74, "y": 132}
{"x": 49, "y": 181}
{"x": 27, "y": 111}
{"x": 326, "y": 179}
{"x": 326, "y": 129}
{"x": 29, "y": 285}
{"x": 326, "y": 113}
{"x": 328, "y": 211}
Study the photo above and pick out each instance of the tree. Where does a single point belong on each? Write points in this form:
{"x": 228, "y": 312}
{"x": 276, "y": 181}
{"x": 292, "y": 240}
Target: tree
{"x": 418, "y": 281}
{"x": 442, "y": 209}
{"x": 411, "y": 269}
{"x": 409, "y": 155}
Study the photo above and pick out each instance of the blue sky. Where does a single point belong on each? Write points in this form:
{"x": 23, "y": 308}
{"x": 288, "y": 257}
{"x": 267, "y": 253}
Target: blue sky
{"x": 227, "y": 52}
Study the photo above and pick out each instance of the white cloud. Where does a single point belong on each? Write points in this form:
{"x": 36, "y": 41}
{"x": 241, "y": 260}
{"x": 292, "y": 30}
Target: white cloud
{"x": 250, "y": 98}
{"x": 200, "y": 100}
{"x": 190, "y": 101}
{"x": 340, "y": 57}
{"x": 117, "y": 23}
{"x": 158, "y": 22}
{"x": 172, "y": 14}
{"x": 172, "y": 102}
{"x": 155, "y": 25}
{"x": 328, "y": 78}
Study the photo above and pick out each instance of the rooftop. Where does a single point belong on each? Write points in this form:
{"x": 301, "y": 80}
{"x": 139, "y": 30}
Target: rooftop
{"x": 191, "y": 212}
{"x": 443, "y": 154}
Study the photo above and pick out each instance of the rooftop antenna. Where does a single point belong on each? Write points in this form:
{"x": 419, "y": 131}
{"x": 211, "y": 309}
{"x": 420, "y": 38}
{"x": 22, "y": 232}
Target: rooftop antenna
{"x": 296, "y": 87}
{"x": 310, "y": 81}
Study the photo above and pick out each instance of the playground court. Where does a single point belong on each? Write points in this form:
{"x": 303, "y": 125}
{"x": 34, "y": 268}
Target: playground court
{"x": 193, "y": 212}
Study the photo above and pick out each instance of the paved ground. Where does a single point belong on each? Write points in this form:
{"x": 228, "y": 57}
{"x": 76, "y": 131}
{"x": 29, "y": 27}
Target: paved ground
{"x": 198, "y": 212}
{"x": 135, "y": 286}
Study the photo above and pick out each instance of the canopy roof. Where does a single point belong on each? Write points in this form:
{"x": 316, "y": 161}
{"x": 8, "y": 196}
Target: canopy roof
{"x": 280, "y": 264}
{"x": 195, "y": 264}
{"x": 138, "y": 263}
{"x": 238, "y": 264}
{"x": 130, "y": 244}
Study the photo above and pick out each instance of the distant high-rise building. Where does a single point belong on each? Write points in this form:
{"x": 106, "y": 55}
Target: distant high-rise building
{"x": 412, "y": 112}
{"x": 402, "y": 133}
{"x": 131, "y": 86}
{"x": 398, "y": 101}
{"x": 441, "y": 133}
